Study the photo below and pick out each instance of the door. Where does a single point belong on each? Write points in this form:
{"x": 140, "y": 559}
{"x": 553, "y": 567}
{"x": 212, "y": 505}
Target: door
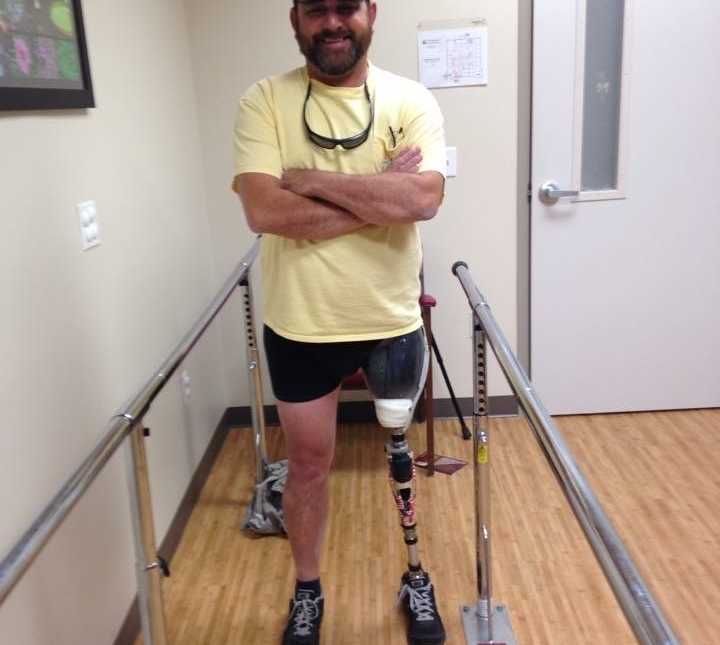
{"x": 625, "y": 276}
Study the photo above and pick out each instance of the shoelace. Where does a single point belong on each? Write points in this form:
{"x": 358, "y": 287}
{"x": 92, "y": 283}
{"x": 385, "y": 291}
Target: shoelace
{"x": 305, "y": 611}
{"x": 421, "y": 601}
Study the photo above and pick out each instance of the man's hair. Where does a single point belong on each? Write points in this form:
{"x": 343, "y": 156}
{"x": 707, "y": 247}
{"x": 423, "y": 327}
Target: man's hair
{"x": 297, "y": 2}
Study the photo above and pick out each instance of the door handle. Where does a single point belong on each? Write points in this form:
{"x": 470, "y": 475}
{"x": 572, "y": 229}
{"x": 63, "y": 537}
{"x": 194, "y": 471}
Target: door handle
{"x": 550, "y": 193}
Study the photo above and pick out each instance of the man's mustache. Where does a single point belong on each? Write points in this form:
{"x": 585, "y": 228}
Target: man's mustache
{"x": 333, "y": 34}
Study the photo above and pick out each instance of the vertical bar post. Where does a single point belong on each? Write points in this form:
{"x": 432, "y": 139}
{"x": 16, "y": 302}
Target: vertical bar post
{"x": 481, "y": 446}
{"x": 484, "y": 623}
{"x": 257, "y": 405}
{"x": 149, "y": 566}
{"x": 428, "y": 413}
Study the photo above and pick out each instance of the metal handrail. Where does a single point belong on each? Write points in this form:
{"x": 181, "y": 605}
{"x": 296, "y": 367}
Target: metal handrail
{"x": 641, "y": 610}
{"x": 29, "y": 546}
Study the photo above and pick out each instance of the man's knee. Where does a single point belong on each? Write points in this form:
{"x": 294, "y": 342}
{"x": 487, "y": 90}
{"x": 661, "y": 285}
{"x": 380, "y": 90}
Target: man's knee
{"x": 310, "y": 467}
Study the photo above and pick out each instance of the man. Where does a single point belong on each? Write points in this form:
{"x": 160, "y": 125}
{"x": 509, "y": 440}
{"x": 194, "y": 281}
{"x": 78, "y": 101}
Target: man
{"x": 335, "y": 164}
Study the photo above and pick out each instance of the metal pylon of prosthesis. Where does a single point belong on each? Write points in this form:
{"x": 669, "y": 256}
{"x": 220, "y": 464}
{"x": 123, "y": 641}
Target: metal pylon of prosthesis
{"x": 403, "y": 473}
{"x": 402, "y": 483}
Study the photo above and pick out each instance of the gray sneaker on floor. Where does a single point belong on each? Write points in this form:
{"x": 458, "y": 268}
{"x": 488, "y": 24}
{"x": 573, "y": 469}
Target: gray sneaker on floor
{"x": 303, "y": 626}
{"x": 425, "y": 627}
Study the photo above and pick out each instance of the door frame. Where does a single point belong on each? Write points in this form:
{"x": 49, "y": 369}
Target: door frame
{"x": 524, "y": 174}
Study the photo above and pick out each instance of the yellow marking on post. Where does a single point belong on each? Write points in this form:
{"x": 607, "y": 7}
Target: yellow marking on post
{"x": 482, "y": 456}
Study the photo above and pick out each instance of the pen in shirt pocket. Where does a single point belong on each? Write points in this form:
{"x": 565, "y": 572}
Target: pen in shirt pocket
{"x": 396, "y": 136}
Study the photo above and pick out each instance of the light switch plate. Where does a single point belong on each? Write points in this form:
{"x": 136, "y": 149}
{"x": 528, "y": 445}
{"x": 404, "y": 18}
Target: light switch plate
{"x": 452, "y": 162}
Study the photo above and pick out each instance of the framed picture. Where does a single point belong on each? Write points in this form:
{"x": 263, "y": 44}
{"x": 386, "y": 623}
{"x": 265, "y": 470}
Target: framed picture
{"x": 43, "y": 56}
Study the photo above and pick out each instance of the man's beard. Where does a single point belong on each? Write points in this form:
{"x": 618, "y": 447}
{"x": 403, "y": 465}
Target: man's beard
{"x": 330, "y": 63}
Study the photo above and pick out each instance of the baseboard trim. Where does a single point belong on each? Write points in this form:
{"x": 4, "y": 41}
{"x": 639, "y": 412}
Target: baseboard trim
{"x": 364, "y": 412}
{"x": 131, "y": 627}
{"x": 349, "y": 412}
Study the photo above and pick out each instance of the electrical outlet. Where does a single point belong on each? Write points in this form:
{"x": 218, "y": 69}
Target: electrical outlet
{"x": 89, "y": 229}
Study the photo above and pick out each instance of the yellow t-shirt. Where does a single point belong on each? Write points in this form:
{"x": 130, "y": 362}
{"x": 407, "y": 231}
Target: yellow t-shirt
{"x": 363, "y": 285}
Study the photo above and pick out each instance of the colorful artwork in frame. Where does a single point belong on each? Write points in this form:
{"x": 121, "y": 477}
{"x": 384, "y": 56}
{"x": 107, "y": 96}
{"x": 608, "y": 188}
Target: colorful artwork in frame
{"x": 43, "y": 56}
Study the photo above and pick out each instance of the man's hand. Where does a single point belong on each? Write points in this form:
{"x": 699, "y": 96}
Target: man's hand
{"x": 299, "y": 181}
{"x": 408, "y": 160}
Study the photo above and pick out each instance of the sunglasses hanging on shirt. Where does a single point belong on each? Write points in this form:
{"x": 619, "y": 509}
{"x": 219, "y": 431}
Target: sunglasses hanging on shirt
{"x": 329, "y": 143}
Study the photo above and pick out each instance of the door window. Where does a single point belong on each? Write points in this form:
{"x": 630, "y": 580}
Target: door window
{"x": 601, "y": 86}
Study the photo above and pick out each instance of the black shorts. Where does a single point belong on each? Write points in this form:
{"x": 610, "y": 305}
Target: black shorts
{"x": 307, "y": 371}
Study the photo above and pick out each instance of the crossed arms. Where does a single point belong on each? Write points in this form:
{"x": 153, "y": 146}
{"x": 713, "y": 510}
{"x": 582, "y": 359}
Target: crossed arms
{"x": 318, "y": 205}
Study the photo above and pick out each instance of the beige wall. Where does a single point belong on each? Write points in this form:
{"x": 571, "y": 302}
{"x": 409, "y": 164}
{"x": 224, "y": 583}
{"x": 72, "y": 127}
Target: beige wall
{"x": 235, "y": 43}
{"x": 79, "y": 332}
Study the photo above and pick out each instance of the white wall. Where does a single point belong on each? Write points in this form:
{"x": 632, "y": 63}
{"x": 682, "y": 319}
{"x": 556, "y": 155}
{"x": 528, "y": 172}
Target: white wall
{"x": 79, "y": 332}
{"x": 236, "y": 43}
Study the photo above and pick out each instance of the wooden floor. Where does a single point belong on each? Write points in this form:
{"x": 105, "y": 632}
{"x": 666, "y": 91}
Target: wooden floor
{"x": 657, "y": 475}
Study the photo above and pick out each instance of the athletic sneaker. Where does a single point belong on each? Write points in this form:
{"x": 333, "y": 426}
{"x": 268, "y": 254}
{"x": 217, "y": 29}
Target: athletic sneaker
{"x": 425, "y": 626}
{"x": 303, "y": 626}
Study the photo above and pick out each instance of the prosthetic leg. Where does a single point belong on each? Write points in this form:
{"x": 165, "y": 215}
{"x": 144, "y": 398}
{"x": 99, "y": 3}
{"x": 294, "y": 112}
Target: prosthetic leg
{"x": 396, "y": 373}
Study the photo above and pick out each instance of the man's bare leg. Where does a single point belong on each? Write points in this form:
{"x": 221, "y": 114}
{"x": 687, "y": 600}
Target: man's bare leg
{"x": 310, "y": 437}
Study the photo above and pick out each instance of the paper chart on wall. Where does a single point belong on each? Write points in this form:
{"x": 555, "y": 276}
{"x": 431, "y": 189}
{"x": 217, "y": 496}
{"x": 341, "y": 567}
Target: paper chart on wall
{"x": 454, "y": 56}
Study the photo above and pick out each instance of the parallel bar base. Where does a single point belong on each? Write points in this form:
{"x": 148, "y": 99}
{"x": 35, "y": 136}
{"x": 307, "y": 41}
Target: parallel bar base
{"x": 502, "y": 628}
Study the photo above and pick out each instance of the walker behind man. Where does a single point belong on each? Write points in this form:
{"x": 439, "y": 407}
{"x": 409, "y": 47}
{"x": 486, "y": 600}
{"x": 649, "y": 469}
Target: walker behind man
{"x": 336, "y": 162}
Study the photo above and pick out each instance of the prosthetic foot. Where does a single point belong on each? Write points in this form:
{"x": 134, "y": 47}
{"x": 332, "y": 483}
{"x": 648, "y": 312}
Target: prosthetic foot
{"x": 425, "y": 627}
{"x": 395, "y": 374}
